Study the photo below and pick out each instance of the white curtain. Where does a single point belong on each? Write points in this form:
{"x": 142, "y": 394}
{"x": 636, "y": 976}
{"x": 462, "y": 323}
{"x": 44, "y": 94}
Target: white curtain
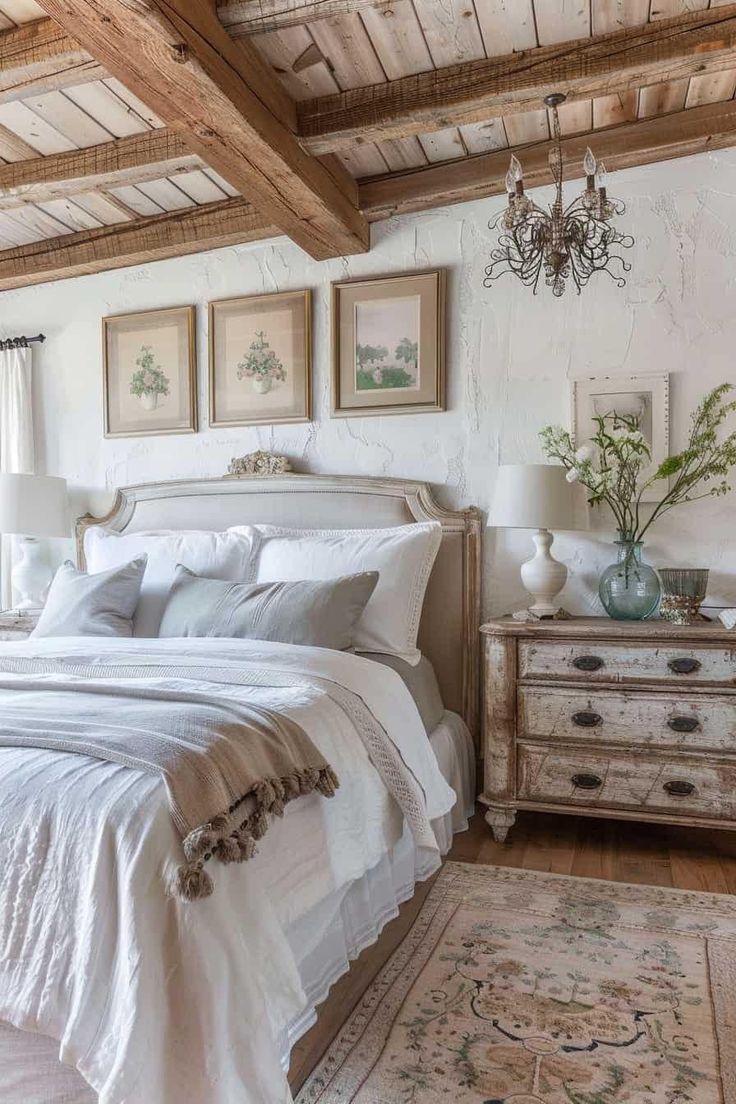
{"x": 16, "y": 440}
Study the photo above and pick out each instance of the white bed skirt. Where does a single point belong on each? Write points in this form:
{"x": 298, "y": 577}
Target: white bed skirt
{"x": 324, "y": 941}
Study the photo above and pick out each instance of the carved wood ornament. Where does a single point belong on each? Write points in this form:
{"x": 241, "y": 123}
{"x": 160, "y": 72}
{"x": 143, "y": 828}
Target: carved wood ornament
{"x": 259, "y": 463}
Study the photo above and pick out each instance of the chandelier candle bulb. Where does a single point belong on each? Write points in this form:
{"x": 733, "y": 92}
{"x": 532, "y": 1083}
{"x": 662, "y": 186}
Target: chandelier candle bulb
{"x": 589, "y": 168}
{"x": 510, "y": 184}
{"x": 600, "y": 180}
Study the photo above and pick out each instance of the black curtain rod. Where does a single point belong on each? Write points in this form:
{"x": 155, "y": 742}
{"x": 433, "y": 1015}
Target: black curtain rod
{"x": 20, "y": 342}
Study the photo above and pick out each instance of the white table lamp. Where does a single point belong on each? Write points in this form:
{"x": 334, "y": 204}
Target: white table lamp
{"x": 32, "y": 506}
{"x": 536, "y": 496}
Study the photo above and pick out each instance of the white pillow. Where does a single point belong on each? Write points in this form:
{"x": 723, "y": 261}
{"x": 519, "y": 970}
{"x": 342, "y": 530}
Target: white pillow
{"x": 403, "y": 557}
{"x": 216, "y": 555}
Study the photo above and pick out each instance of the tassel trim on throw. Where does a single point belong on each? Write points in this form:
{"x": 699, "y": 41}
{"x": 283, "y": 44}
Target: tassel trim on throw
{"x": 231, "y": 839}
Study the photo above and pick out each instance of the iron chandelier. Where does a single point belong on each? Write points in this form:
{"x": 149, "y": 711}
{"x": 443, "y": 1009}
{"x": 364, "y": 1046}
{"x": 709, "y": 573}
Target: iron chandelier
{"x": 562, "y": 242}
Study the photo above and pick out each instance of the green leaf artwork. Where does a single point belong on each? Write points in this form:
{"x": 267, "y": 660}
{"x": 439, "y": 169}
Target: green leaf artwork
{"x": 261, "y": 362}
{"x": 148, "y": 380}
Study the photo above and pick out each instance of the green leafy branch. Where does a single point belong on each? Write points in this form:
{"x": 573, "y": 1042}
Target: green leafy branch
{"x": 610, "y": 466}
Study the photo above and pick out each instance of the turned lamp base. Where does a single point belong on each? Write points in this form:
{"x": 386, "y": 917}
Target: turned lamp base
{"x": 31, "y": 575}
{"x": 543, "y": 577}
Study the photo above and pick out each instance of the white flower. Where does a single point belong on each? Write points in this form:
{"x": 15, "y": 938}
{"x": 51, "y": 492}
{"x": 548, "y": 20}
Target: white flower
{"x": 585, "y": 452}
{"x": 573, "y": 475}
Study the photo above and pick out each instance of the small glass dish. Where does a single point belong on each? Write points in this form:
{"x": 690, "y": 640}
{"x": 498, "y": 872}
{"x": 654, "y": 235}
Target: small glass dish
{"x": 683, "y": 592}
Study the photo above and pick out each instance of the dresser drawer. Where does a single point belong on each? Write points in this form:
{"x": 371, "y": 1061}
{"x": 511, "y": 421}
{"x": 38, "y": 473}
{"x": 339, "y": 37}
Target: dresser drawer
{"x": 590, "y": 661}
{"x": 627, "y": 717}
{"x": 668, "y": 784}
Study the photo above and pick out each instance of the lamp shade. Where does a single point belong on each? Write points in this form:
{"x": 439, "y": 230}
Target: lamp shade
{"x": 533, "y": 496}
{"x": 33, "y": 505}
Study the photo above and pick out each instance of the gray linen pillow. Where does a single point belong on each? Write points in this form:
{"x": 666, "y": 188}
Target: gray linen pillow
{"x": 323, "y": 613}
{"x": 79, "y": 604}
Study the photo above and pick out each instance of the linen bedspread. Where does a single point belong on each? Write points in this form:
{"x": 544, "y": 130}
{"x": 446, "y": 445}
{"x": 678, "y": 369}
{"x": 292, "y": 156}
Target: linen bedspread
{"x": 152, "y": 998}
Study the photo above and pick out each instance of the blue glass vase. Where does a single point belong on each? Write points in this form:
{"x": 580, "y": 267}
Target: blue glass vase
{"x": 629, "y": 589}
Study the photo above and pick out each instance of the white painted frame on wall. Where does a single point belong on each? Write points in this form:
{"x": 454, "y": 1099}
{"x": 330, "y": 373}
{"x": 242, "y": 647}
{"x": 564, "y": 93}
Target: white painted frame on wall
{"x": 657, "y": 384}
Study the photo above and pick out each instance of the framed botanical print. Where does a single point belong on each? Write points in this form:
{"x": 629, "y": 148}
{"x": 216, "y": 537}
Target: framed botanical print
{"x": 150, "y": 373}
{"x": 261, "y": 359}
{"x": 644, "y": 397}
{"x": 388, "y": 345}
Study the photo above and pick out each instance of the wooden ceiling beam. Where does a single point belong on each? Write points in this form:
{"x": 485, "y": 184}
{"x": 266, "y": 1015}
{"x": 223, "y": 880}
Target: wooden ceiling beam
{"x": 229, "y": 107}
{"x": 669, "y": 49}
{"x": 41, "y": 57}
{"x": 697, "y": 130}
{"x": 248, "y": 17}
{"x": 234, "y": 221}
{"x": 229, "y": 222}
{"x": 134, "y": 160}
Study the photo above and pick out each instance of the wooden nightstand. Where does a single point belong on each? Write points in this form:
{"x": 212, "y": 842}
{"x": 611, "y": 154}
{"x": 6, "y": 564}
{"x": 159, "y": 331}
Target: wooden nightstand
{"x": 609, "y": 718}
{"x": 18, "y": 624}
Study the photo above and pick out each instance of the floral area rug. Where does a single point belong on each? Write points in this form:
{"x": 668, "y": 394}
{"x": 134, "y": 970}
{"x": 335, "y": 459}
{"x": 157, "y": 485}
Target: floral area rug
{"x": 514, "y": 987}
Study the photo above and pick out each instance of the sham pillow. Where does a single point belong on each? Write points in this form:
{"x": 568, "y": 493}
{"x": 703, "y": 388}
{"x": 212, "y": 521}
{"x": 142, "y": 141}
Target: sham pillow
{"x": 224, "y": 555}
{"x": 79, "y": 604}
{"x": 403, "y": 556}
{"x": 323, "y": 614}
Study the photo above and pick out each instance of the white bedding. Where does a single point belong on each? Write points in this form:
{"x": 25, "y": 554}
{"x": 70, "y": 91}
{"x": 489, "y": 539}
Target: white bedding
{"x": 152, "y": 999}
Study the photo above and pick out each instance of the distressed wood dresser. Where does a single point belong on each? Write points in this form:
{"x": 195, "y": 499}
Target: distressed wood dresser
{"x": 610, "y": 718}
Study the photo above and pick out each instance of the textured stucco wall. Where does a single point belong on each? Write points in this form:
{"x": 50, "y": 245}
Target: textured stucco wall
{"x": 510, "y": 357}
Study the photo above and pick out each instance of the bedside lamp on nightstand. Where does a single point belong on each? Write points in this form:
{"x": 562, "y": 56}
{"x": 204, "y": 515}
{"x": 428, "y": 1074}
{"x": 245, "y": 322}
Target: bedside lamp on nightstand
{"x": 536, "y": 496}
{"x": 32, "y": 506}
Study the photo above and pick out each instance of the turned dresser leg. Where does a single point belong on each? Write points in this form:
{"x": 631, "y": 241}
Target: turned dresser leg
{"x": 500, "y": 821}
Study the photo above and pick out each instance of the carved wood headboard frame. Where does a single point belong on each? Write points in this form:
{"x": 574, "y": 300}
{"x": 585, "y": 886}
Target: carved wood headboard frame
{"x": 450, "y": 622}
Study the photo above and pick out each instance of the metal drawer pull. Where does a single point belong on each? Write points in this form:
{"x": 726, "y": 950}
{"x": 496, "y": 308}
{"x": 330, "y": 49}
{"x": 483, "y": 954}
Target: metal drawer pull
{"x": 679, "y": 789}
{"x": 587, "y": 663}
{"x": 684, "y": 666}
{"x": 683, "y": 724}
{"x": 586, "y": 720}
{"x": 587, "y": 781}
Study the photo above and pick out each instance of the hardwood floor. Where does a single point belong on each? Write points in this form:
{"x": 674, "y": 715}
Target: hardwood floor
{"x": 620, "y": 851}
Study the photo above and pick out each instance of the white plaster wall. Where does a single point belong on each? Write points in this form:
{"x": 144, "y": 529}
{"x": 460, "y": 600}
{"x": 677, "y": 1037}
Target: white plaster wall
{"x": 510, "y": 356}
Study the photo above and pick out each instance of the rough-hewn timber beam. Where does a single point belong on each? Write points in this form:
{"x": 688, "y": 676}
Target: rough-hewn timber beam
{"x": 247, "y": 17}
{"x": 40, "y": 57}
{"x": 227, "y": 105}
{"x": 230, "y": 222}
{"x": 233, "y": 221}
{"x": 696, "y": 43}
{"x": 134, "y": 160}
{"x": 698, "y": 130}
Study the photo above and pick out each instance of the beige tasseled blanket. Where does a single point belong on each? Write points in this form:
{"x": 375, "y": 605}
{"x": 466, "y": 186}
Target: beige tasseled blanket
{"x": 227, "y": 764}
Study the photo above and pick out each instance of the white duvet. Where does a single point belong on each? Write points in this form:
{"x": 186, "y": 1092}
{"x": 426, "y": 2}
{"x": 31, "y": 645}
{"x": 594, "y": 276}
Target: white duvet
{"x": 160, "y": 1002}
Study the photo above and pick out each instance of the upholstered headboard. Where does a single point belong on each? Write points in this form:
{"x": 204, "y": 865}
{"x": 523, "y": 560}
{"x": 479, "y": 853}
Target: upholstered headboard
{"x": 448, "y": 633}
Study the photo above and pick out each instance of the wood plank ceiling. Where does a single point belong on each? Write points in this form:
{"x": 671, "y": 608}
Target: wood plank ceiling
{"x": 417, "y": 100}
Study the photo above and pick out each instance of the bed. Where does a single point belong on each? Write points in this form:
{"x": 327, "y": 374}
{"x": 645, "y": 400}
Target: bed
{"x": 211, "y": 995}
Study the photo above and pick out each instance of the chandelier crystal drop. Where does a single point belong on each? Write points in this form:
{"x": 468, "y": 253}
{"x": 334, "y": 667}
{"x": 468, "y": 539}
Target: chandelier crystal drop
{"x": 561, "y": 243}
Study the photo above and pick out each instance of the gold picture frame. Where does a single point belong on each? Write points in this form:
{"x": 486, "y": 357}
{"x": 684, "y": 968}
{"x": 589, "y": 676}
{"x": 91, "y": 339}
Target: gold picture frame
{"x": 260, "y": 359}
{"x": 404, "y": 375}
{"x": 149, "y": 364}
